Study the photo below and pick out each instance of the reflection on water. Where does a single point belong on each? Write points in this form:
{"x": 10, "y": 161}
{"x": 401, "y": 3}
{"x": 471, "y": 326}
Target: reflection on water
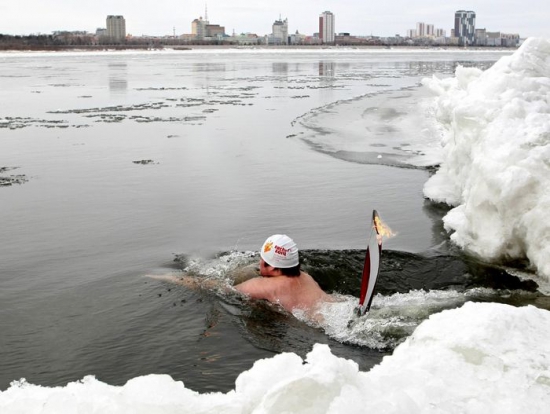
{"x": 327, "y": 69}
{"x": 118, "y": 77}
{"x": 207, "y": 74}
{"x": 202, "y": 67}
{"x": 280, "y": 68}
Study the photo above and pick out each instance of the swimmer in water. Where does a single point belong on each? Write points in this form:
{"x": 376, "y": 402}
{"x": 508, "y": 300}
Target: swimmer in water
{"x": 281, "y": 281}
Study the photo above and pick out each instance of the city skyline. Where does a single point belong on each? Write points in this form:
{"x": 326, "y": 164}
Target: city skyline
{"x": 161, "y": 17}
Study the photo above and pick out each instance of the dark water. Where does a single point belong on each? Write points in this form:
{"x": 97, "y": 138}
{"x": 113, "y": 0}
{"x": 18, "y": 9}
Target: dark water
{"x": 241, "y": 146}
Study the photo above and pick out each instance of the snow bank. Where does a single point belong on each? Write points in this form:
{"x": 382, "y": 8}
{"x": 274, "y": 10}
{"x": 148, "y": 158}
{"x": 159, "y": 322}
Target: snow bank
{"x": 495, "y": 166}
{"x": 480, "y": 358}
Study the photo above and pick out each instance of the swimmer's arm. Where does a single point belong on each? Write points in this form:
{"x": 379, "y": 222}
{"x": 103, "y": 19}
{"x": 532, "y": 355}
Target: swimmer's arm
{"x": 191, "y": 282}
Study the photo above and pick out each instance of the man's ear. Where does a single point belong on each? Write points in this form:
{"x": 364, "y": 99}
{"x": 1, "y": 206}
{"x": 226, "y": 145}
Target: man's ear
{"x": 275, "y": 271}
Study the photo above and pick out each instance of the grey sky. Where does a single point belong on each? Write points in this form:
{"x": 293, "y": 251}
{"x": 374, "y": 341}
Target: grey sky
{"x": 358, "y": 17}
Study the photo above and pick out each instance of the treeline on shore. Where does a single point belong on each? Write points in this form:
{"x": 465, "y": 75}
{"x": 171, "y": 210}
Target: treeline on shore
{"x": 68, "y": 41}
{"x": 60, "y": 42}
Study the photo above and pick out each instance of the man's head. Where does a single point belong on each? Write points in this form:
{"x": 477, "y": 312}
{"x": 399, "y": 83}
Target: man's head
{"x": 279, "y": 253}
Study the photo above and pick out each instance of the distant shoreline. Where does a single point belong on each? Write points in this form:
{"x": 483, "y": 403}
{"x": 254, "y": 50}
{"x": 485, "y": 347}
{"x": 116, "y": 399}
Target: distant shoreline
{"x": 107, "y": 48}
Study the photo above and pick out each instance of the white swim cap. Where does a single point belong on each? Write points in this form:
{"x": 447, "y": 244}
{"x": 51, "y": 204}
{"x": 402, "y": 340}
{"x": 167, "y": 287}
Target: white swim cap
{"x": 280, "y": 251}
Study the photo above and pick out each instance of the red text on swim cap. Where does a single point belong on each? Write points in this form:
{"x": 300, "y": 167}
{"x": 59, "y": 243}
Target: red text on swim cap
{"x": 281, "y": 250}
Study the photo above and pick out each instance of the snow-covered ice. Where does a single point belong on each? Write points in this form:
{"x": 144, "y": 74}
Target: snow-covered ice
{"x": 495, "y": 169}
{"x": 480, "y": 358}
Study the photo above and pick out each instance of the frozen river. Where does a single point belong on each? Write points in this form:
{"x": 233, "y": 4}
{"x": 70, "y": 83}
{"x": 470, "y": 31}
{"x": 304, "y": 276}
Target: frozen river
{"x": 128, "y": 158}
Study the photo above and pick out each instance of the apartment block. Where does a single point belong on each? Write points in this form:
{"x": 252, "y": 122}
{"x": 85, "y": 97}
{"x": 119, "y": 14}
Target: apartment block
{"x": 116, "y": 28}
{"x": 326, "y": 27}
{"x": 464, "y": 30}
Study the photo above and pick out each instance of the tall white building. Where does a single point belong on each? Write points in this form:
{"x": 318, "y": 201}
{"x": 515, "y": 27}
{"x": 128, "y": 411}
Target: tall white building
{"x": 430, "y": 30}
{"x": 198, "y": 28}
{"x": 326, "y": 27}
{"x": 116, "y": 28}
{"x": 420, "y": 29}
{"x": 279, "y": 32}
{"x": 424, "y": 30}
{"x": 465, "y": 24}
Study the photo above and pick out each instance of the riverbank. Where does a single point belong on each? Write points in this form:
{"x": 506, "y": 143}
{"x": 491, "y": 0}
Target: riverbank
{"x": 156, "y": 47}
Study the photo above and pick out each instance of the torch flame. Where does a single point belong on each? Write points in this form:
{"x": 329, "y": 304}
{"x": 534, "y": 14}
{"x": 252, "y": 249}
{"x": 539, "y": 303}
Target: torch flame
{"x": 382, "y": 228}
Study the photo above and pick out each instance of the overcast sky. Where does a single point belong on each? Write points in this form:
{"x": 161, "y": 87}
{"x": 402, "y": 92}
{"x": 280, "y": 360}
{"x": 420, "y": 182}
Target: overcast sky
{"x": 358, "y": 17}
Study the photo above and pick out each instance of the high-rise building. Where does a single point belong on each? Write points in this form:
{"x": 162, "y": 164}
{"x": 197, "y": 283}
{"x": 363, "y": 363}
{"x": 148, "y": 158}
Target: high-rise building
{"x": 201, "y": 29}
{"x": 326, "y": 27}
{"x": 198, "y": 28}
{"x": 430, "y": 31}
{"x": 425, "y": 30}
{"x": 116, "y": 28}
{"x": 280, "y": 32}
{"x": 465, "y": 23}
{"x": 420, "y": 29}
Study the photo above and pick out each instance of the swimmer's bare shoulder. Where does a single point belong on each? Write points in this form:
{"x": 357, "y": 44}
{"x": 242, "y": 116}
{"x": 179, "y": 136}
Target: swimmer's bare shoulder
{"x": 257, "y": 288}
